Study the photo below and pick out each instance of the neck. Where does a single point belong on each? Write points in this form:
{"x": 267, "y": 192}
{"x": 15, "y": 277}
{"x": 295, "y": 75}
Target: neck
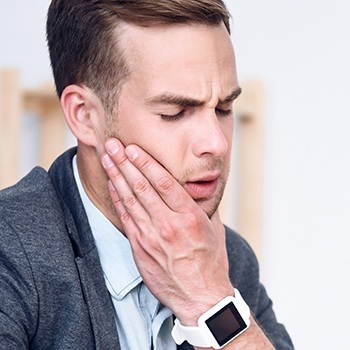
{"x": 95, "y": 182}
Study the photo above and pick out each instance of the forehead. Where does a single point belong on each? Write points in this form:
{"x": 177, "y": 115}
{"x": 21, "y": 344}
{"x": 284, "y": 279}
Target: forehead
{"x": 188, "y": 59}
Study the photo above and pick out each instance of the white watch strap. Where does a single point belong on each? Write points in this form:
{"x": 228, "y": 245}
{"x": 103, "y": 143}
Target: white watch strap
{"x": 193, "y": 335}
{"x": 242, "y": 306}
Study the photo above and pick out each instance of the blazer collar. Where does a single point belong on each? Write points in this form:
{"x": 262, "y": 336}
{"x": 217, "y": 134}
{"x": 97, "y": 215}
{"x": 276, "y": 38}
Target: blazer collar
{"x": 61, "y": 173}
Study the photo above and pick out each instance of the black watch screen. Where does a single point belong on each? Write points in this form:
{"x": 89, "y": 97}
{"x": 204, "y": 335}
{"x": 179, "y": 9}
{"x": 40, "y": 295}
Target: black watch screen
{"x": 226, "y": 324}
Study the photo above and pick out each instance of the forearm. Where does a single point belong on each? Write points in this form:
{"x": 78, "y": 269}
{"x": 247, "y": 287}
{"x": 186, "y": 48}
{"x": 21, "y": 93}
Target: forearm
{"x": 252, "y": 338}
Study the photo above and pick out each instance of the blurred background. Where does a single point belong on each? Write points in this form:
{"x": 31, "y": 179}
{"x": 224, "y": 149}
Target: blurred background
{"x": 300, "y": 52}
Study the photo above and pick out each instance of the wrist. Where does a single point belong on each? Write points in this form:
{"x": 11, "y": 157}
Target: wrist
{"x": 189, "y": 313}
{"x": 254, "y": 338}
{"x": 217, "y": 326}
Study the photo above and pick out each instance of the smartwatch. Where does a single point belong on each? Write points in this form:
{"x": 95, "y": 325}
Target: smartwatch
{"x": 218, "y": 326}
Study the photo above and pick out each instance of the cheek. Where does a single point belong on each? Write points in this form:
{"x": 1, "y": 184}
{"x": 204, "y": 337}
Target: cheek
{"x": 162, "y": 141}
{"x": 166, "y": 151}
{"x": 101, "y": 136}
{"x": 145, "y": 136}
{"x": 164, "y": 147}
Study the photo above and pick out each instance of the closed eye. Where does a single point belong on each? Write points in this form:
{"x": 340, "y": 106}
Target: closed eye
{"x": 173, "y": 117}
{"x": 177, "y": 116}
{"x": 224, "y": 112}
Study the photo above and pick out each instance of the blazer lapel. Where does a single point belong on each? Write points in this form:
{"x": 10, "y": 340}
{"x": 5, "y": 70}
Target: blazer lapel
{"x": 94, "y": 289}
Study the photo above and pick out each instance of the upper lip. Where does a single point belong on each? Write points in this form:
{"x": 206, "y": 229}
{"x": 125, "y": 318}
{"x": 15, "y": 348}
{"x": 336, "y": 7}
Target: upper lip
{"x": 206, "y": 178}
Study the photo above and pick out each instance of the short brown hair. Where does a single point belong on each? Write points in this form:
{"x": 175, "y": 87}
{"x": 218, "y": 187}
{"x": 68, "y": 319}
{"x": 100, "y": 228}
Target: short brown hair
{"x": 83, "y": 46}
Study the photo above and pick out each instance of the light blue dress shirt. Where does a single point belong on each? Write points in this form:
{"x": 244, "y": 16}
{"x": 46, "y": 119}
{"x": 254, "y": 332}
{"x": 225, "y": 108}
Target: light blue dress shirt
{"x": 142, "y": 322}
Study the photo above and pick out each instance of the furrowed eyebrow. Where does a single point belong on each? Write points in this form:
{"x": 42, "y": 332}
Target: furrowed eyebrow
{"x": 232, "y": 96}
{"x": 177, "y": 100}
{"x": 188, "y": 102}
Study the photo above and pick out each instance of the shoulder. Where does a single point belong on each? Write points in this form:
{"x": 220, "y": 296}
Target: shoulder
{"x": 31, "y": 203}
{"x": 31, "y": 214}
{"x": 241, "y": 256}
{"x": 237, "y": 244}
{"x": 30, "y": 190}
{"x": 243, "y": 267}
{"x": 33, "y": 210}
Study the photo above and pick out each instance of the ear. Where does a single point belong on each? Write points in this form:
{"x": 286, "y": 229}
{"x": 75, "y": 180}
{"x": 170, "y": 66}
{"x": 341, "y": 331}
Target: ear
{"x": 83, "y": 112}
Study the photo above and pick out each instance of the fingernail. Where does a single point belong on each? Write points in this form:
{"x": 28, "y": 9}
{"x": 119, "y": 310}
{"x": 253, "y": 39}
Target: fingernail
{"x": 131, "y": 152}
{"x": 112, "y": 147}
{"x": 107, "y": 161}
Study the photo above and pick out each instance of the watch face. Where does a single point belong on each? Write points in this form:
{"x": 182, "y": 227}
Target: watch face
{"x": 226, "y": 324}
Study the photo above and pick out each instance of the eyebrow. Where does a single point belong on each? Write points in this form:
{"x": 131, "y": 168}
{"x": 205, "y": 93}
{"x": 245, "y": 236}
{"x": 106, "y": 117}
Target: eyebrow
{"x": 230, "y": 98}
{"x": 188, "y": 102}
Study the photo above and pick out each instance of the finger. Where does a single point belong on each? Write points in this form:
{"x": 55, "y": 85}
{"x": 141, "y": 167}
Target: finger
{"x": 153, "y": 186}
{"x": 122, "y": 214}
{"x": 126, "y": 220}
{"x": 171, "y": 192}
{"x": 124, "y": 200}
{"x": 139, "y": 198}
{"x": 131, "y": 230}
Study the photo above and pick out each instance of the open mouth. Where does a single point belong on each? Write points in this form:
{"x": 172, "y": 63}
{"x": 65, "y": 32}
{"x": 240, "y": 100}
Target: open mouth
{"x": 201, "y": 189}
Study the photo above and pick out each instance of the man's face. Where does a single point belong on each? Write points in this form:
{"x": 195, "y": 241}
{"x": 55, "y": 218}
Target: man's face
{"x": 177, "y": 104}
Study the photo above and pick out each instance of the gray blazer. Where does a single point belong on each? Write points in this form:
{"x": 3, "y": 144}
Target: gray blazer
{"x": 52, "y": 291}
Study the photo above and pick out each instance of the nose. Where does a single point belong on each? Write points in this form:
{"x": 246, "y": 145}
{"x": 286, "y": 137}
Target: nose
{"x": 210, "y": 137}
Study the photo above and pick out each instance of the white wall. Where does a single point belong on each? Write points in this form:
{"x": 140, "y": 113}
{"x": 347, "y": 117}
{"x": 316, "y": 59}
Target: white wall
{"x": 301, "y": 51}
{"x": 22, "y": 39}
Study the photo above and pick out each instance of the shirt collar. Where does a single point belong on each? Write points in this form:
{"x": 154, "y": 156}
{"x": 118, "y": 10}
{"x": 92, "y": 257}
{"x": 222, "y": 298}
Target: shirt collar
{"x": 120, "y": 271}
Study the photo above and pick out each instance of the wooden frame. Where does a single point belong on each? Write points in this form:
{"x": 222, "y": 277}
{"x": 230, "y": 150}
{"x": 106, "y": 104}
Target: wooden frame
{"x": 241, "y": 207}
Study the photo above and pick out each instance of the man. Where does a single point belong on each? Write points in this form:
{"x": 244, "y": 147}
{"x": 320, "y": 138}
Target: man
{"x": 122, "y": 236}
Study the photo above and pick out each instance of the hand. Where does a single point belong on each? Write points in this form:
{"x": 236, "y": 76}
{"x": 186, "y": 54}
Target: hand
{"x": 179, "y": 251}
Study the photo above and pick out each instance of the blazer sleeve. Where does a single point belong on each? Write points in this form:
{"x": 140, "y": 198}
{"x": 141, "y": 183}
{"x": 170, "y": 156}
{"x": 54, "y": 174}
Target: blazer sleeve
{"x": 18, "y": 297}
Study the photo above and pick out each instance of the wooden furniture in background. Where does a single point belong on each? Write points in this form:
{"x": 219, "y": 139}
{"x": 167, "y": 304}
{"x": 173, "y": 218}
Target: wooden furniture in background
{"x": 245, "y": 203}
{"x": 14, "y": 102}
{"x": 10, "y": 126}
{"x": 241, "y": 206}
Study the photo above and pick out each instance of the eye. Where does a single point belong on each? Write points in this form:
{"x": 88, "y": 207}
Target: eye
{"x": 224, "y": 109}
{"x": 224, "y": 112}
{"x": 174, "y": 117}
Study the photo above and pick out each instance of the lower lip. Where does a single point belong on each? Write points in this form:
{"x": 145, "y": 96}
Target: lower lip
{"x": 200, "y": 190}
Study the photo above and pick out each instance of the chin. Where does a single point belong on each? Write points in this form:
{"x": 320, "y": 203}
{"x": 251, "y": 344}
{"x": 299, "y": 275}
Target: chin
{"x": 209, "y": 206}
